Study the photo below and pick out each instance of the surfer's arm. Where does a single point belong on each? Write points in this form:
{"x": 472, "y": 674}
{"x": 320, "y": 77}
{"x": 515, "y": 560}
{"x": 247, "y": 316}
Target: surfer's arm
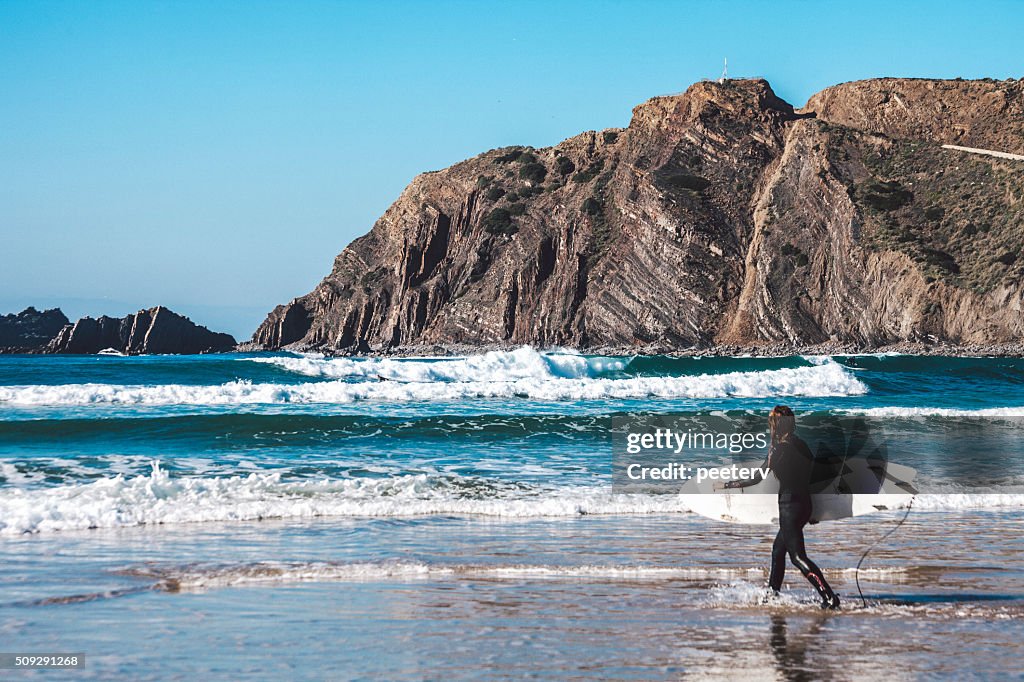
{"x": 744, "y": 482}
{"x": 747, "y": 482}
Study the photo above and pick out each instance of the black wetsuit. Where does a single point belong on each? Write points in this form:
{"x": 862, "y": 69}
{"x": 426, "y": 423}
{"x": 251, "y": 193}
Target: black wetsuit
{"x": 792, "y": 462}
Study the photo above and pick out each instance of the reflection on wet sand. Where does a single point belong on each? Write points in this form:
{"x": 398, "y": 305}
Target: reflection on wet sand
{"x": 790, "y": 651}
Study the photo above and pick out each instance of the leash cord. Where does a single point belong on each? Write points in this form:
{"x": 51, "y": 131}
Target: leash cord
{"x": 864, "y": 602}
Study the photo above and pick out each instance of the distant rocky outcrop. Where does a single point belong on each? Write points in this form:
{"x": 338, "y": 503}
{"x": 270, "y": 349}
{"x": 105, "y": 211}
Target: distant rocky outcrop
{"x": 154, "y": 331}
{"x": 30, "y": 330}
{"x": 719, "y": 217}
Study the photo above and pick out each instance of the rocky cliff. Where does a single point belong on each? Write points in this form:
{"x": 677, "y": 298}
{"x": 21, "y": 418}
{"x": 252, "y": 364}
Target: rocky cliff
{"x": 720, "y": 216}
{"x": 153, "y": 331}
{"x": 30, "y": 330}
{"x": 981, "y": 113}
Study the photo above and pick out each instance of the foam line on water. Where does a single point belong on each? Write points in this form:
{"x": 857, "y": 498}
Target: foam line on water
{"x": 894, "y": 411}
{"x": 159, "y": 498}
{"x": 522, "y": 363}
{"x": 829, "y": 379}
{"x": 742, "y": 594}
{"x": 260, "y": 572}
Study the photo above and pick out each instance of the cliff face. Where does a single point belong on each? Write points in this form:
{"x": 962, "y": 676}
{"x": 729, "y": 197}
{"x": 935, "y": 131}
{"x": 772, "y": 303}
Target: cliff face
{"x": 153, "y": 331}
{"x": 30, "y": 330}
{"x": 719, "y": 216}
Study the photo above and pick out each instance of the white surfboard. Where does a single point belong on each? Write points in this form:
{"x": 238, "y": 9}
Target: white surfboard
{"x": 861, "y": 489}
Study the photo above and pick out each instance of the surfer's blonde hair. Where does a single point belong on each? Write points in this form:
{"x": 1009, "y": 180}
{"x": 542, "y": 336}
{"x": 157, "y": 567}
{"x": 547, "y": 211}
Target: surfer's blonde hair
{"x": 781, "y": 422}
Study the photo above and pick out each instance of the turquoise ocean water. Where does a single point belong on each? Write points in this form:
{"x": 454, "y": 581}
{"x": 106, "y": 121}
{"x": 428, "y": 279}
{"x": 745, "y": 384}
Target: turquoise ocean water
{"x": 286, "y": 514}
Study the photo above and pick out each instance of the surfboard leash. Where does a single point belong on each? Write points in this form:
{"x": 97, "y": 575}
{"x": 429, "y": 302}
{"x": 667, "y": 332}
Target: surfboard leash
{"x": 856, "y": 574}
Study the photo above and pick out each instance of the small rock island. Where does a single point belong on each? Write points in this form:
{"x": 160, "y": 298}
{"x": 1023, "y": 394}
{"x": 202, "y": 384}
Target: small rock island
{"x": 154, "y": 331}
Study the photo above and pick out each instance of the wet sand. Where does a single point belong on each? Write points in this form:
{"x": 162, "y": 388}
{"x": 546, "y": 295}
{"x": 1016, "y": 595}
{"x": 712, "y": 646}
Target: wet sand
{"x": 610, "y": 597}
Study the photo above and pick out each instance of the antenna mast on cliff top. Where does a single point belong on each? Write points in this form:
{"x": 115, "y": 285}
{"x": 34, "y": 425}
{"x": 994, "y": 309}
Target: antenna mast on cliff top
{"x": 725, "y": 70}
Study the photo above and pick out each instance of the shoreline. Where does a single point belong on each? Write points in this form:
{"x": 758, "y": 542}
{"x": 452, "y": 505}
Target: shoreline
{"x": 1007, "y": 350}
{"x": 778, "y": 350}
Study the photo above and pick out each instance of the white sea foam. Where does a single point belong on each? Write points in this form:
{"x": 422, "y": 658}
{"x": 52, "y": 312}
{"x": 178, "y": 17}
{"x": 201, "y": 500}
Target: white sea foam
{"x": 937, "y": 412}
{"x": 522, "y": 363}
{"x": 828, "y": 379}
{"x": 198, "y": 576}
{"x": 12, "y": 475}
{"x": 158, "y": 498}
{"x": 740, "y": 593}
{"x": 817, "y": 359}
{"x": 954, "y": 501}
{"x": 825, "y": 358}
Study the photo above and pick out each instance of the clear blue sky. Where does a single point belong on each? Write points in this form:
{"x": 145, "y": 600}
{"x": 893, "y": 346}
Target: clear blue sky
{"x": 216, "y": 156}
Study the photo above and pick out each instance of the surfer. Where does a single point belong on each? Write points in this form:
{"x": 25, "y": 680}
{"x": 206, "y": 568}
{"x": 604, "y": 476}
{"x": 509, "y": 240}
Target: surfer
{"x": 791, "y": 461}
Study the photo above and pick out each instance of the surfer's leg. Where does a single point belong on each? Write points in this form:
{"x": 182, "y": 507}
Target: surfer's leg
{"x": 778, "y": 571}
{"x": 795, "y": 517}
{"x": 814, "y": 576}
{"x": 809, "y": 569}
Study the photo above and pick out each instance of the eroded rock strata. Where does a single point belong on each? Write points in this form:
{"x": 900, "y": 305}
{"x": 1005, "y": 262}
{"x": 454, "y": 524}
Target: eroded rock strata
{"x": 720, "y": 217}
{"x": 154, "y": 331}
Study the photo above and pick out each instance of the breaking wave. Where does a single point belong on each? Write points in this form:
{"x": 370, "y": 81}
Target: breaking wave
{"x": 522, "y": 363}
{"x": 827, "y": 379}
{"x": 159, "y": 498}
